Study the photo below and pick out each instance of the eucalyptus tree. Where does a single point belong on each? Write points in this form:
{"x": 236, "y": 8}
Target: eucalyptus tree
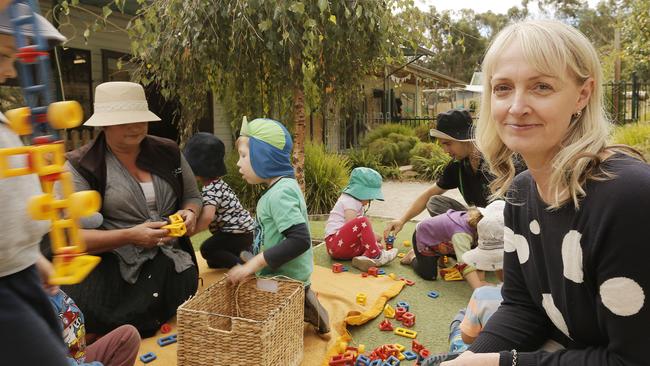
{"x": 279, "y": 59}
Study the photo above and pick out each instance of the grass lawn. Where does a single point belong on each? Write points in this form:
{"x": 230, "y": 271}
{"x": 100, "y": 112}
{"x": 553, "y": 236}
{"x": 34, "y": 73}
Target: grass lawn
{"x": 432, "y": 315}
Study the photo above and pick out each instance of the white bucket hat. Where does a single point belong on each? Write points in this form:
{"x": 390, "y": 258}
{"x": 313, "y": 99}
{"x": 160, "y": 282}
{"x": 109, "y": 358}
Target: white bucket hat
{"x": 119, "y": 103}
{"x": 488, "y": 255}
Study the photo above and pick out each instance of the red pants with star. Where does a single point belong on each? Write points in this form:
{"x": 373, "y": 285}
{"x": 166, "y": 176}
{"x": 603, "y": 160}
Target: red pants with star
{"x": 353, "y": 239}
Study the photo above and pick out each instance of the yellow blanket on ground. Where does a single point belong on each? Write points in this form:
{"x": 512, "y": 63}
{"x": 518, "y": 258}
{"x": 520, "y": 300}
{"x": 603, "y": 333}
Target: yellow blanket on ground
{"x": 336, "y": 291}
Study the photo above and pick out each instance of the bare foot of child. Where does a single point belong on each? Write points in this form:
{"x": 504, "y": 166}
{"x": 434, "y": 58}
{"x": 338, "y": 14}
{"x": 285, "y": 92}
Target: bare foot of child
{"x": 408, "y": 258}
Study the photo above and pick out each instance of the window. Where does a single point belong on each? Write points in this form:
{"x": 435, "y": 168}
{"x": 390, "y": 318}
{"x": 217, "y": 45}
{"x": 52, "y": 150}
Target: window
{"x": 73, "y": 76}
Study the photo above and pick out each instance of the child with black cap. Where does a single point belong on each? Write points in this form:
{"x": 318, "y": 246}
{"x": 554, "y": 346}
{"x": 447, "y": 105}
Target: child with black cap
{"x": 230, "y": 224}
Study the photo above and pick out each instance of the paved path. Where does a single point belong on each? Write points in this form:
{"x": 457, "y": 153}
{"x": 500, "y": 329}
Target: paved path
{"x": 398, "y": 196}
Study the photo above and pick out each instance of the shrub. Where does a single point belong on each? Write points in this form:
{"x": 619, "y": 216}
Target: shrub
{"x": 383, "y": 131}
{"x": 429, "y": 160}
{"x": 636, "y": 135}
{"x": 390, "y": 172}
{"x": 426, "y": 149}
{"x": 422, "y": 132}
{"x": 393, "y": 149}
{"x": 325, "y": 176}
{"x": 248, "y": 194}
{"x": 363, "y": 157}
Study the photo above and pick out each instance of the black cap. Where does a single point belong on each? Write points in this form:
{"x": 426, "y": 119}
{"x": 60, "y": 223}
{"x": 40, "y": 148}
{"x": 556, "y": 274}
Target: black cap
{"x": 205, "y": 152}
{"x": 453, "y": 125}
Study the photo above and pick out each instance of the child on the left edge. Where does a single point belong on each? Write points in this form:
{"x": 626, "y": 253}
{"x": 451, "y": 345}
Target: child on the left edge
{"x": 117, "y": 348}
{"x": 282, "y": 244}
{"x": 348, "y": 233}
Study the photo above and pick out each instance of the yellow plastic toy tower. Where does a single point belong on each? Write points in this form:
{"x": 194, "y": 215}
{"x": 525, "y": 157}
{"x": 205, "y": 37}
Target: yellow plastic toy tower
{"x": 45, "y": 156}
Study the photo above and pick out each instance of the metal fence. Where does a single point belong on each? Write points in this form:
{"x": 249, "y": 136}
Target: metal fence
{"x": 628, "y": 102}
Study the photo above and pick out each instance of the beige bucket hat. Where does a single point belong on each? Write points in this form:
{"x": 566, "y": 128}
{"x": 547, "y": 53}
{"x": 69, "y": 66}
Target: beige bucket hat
{"x": 119, "y": 103}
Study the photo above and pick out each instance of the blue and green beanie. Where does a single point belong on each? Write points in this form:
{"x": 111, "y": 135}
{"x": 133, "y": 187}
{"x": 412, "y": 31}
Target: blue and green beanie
{"x": 269, "y": 147}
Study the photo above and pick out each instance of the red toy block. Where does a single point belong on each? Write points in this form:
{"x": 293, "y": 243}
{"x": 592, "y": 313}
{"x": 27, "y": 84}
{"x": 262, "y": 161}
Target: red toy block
{"x": 399, "y": 312}
{"x": 165, "y": 328}
{"x": 342, "y": 360}
{"x": 364, "y": 274}
{"x": 408, "y": 319}
{"x": 373, "y": 271}
{"x": 416, "y": 346}
{"x": 408, "y": 282}
{"x": 425, "y": 353}
{"x": 391, "y": 350}
{"x": 337, "y": 268}
{"x": 386, "y": 325}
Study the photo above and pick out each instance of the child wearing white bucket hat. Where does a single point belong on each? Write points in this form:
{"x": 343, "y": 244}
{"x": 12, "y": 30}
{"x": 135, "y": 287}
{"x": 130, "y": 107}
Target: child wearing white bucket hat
{"x": 488, "y": 255}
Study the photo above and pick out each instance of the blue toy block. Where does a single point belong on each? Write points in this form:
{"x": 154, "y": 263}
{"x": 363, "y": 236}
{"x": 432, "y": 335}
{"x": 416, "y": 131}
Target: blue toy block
{"x": 164, "y": 341}
{"x": 381, "y": 271}
{"x": 345, "y": 269}
{"x": 375, "y": 363}
{"x": 148, "y": 357}
{"x": 403, "y": 304}
{"x": 362, "y": 360}
{"x": 433, "y": 294}
{"x": 410, "y": 355}
{"x": 391, "y": 361}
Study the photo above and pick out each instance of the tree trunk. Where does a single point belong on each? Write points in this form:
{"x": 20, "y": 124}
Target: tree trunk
{"x": 299, "y": 143}
{"x": 331, "y": 123}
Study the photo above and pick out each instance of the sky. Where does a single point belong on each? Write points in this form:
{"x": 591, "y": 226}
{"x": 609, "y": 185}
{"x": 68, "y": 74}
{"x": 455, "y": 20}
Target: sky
{"x": 479, "y": 6}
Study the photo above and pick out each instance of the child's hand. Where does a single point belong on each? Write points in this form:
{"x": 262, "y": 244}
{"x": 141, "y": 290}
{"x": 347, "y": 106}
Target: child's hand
{"x": 46, "y": 270}
{"x": 238, "y": 273}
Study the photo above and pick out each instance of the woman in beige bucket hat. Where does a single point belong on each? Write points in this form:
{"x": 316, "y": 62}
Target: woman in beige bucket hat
{"x": 142, "y": 179}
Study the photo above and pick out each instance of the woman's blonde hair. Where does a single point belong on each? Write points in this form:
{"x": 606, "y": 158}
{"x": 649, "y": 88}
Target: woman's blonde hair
{"x": 554, "y": 49}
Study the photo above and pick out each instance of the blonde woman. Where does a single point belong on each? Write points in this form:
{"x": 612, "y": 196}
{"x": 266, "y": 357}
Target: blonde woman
{"x": 576, "y": 246}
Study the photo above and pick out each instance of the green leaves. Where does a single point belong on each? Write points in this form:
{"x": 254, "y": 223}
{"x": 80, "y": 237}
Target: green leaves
{"x": 322, "y": 5}
{"x": 106, "y": 12}
{"x": 297, "y": 7}
{"x": 265, "y": 25}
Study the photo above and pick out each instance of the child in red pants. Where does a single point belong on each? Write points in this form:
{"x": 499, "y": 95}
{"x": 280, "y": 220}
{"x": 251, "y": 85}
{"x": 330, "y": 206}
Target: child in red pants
{"x": 348, "y": 234}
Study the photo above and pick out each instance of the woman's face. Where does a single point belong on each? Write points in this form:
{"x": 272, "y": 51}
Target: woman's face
{"x": 533, "y": 110}
{"x": 126, "y": 136}
{"x": 7, "y": 57}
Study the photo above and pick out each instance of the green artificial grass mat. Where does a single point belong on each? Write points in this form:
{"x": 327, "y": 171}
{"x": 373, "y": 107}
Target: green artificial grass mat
{"x": 432, "y": 316}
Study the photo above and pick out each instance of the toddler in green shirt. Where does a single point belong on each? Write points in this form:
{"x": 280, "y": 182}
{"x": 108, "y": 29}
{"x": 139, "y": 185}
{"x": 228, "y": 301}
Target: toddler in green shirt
{"x": 282, "y": 244}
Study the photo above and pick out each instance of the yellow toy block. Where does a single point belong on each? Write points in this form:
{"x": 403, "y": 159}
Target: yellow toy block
{"x": 406, "y": 243}
{"x": 400, "y": 255}
{"x": 400, "y": 347}
{"x": 393, "y": 276}
{"x": 361, "y": 298}
{"x": 389, "y": 312}
{"x": 70, "y": 270}
{"x": 452, "y": 274}
{"x": 341, "y": 345}
{"x": 48, "y": 159}
{"x": 67, "y": 114}
{"x": 19, "y": 120}
{"x": 6, "y": 170}
{"x": 405, "y": 333}
{"x": 361, "y": 348}
{"x": 176, "y": 226}
{"x": 400, "y": 356}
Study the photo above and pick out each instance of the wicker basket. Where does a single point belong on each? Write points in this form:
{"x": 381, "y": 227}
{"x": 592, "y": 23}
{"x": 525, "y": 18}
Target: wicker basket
{"x": 242, "y": 325}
